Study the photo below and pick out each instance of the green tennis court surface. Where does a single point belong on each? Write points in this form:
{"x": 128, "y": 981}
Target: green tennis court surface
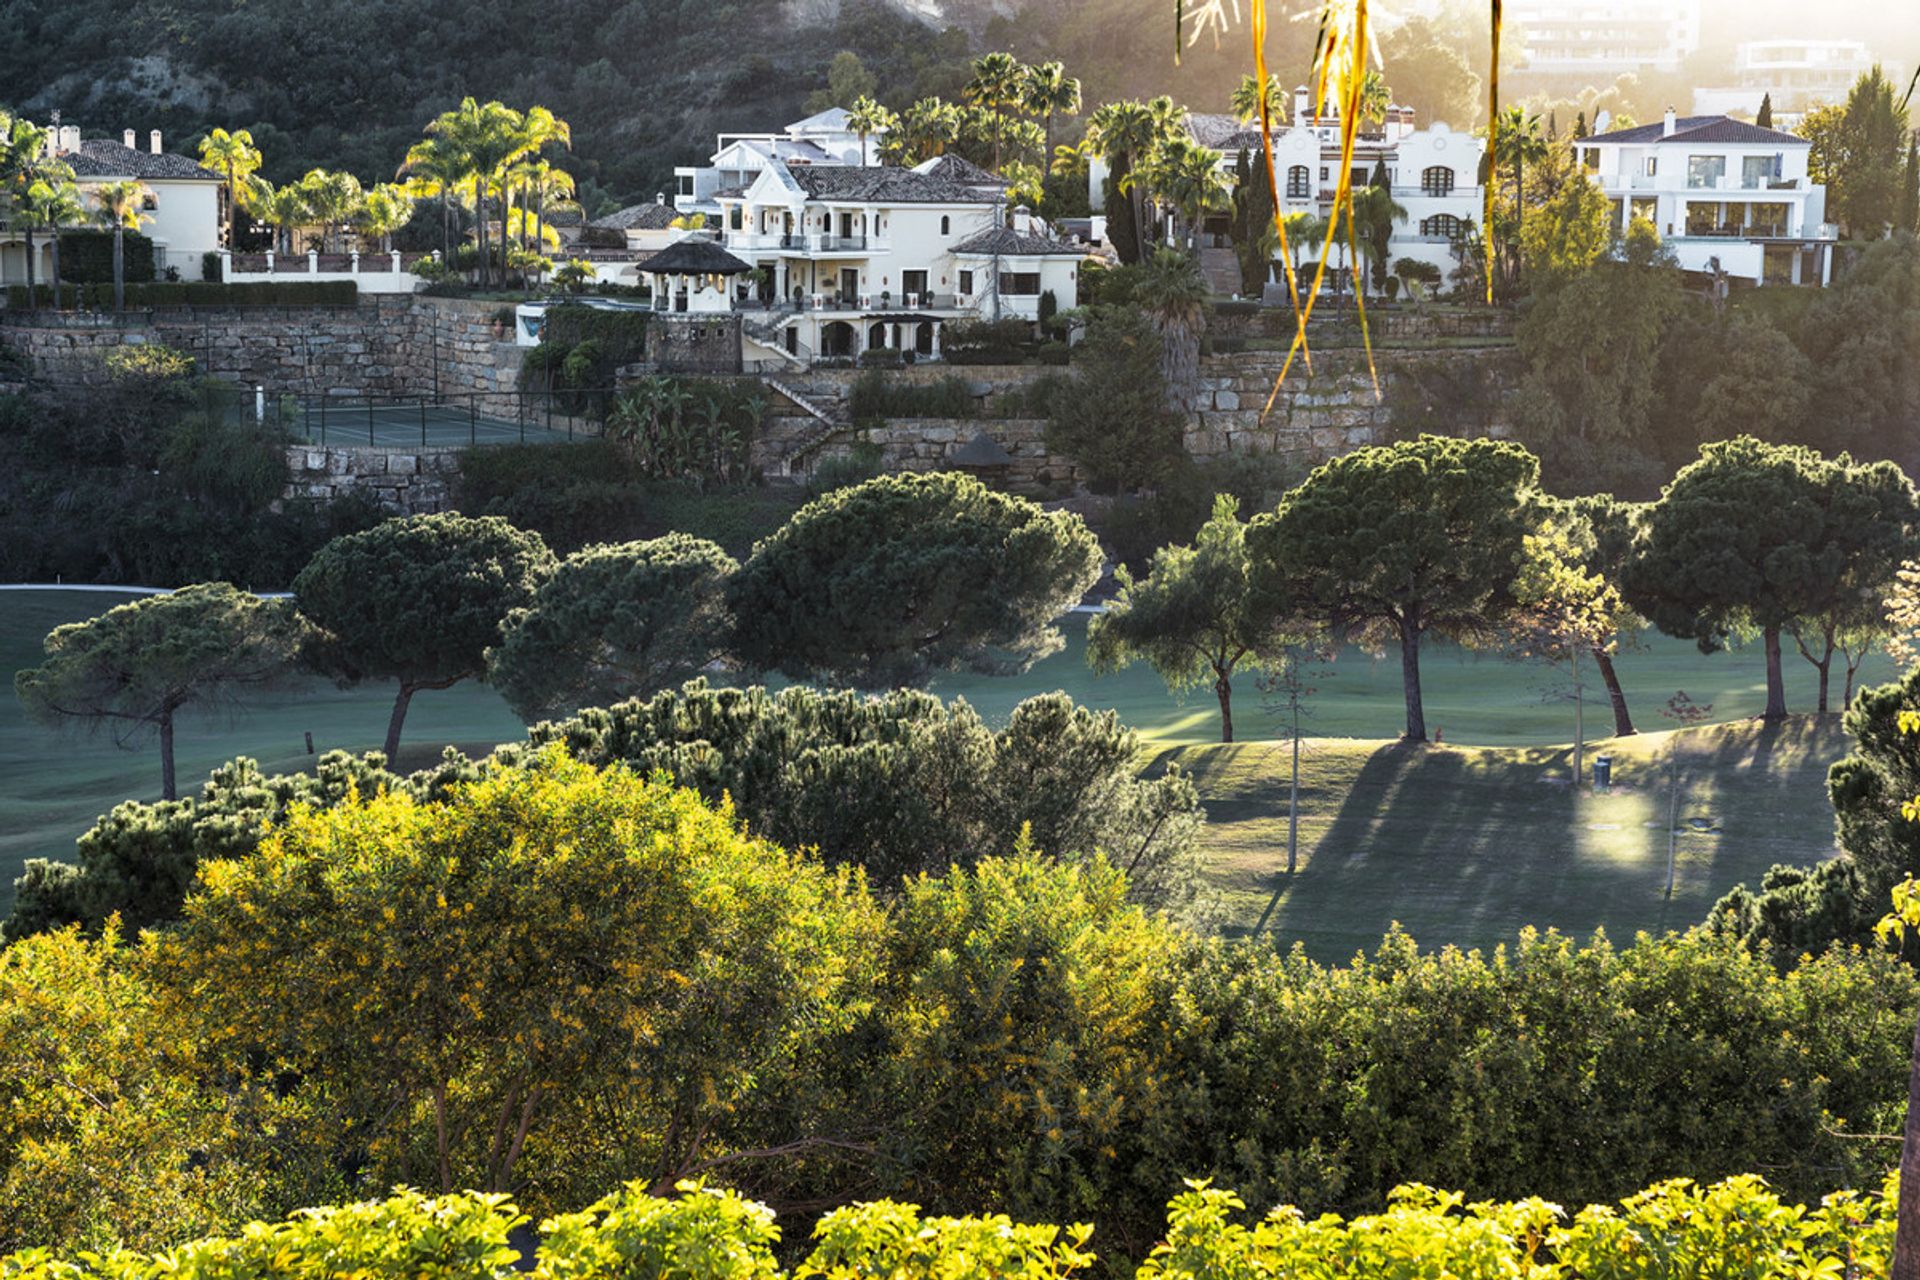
{"x": 427, "y": 425}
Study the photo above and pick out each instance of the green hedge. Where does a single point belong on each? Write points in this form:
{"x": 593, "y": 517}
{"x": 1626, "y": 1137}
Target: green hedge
{"x": 195, "y": 293}
{"x": 877, "y": 396}
{"x": 86, "y": 257}
{"x": 1676, "y": 1230}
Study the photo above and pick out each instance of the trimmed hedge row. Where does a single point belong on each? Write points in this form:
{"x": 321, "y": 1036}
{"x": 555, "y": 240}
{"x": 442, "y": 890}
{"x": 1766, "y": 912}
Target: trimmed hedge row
{"x": 86, "y": 257}
{"x": 197, "y": 293}
{"x": 1675, "y": 1230}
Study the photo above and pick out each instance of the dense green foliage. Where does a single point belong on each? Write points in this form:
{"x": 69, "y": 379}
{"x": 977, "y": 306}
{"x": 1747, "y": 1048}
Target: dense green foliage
{"x": 525, "y": 956}
{"x": 902, "y": 784}
{"x": 615, "y": 621}
{"x": 876, "y": 396}
{"x": 417, "y": 601}
{"x": 176, "y": 485}
{"x": 886, "y": 581}
{"x": 1627, "y": 376}
{"x": 581, "y": 349}
{"x": 1110, "y": 415}
{"x": 574, "y": 495}
{"x": 86, "y": 256}
{"x": 1738, "y": 1226}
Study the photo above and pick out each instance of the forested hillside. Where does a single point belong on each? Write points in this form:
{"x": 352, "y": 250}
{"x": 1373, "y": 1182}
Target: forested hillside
{"x": 644, "y": 83}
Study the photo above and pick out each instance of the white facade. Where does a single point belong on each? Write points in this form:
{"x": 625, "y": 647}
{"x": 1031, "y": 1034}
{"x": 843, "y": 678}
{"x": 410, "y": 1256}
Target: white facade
{"x": 847, "y": 259}
{"x": 1797, "y": 75}
{"x": 1432, "y": 172}
{"x": 182, "y": 215}
{"x": 738, "y": 158}
{"x": 1598, "y": 40}
{"x": 1727, "y": 197}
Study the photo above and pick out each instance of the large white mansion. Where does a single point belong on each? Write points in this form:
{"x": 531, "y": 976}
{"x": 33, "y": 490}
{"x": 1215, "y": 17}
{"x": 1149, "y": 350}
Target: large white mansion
{"x": 182, "y": 214}
{"x": 1727, "y": 197}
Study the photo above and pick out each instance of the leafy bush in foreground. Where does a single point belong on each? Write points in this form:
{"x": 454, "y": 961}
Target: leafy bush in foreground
{"x": 1675, "y": 1230}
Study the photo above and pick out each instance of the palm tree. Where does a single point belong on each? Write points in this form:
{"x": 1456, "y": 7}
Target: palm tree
{"x": 1173, "y": 294}
{"x": 434, "y": 168}
{"x": 926, "y": 130}
{"x": 1520, "y": 140}
{"x": 996, "y": 87}
{"x": 1246, "y": 100}
{"x": 24, "y": 160}
{"x": 1188, "y": 176}
{"x": 235, "y": 155}
{"x": 549, "y": 188}
{"x": 484, "y": 137}
{"x": 282, "y": 208}
{"x": 122, "y": 206}
{"x": 386, "y": 209}
{"x": 1375, "y": 212}
{"x": 53, "y": 205}
{"x": 1375, "y": 98}
{"x": 539, "y": 129}
{"x": 1304, "y": 230}
{"x": 334, "y": 198}
{"x": 1124, "y": 134}
{"x": 1050, "y": 91}
{"x": 866, "y": 117}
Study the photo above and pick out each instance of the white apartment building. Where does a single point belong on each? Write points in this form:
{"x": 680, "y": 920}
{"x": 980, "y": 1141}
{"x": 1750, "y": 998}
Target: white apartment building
{"x": 1797, "y": 75}
{"x": 1598, "y": 40}
{"x": 182, "y": 214}
{"x": 836, "y": 260}
{"x": 822, "y": 139}
{"x": 1727, "y": 197}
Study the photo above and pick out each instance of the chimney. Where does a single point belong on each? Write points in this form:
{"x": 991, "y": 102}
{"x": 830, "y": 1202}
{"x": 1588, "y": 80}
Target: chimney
{"x": 1669, "y": 126}
{"x": 127, "y": 139}
{"x": 154, "y": 140}
{"x": 70, "y": 137}
{"x": 1302, "y": 115}
{"x": 659, "y": 197}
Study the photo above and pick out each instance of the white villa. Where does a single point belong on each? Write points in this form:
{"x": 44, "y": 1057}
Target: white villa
{"x": 820, "y": 140}
{"x": 1727, "y": 197}
{"x": 1433, "y": 173}
{"x": 838, "y": 260}
{"x": 183, "y": 212}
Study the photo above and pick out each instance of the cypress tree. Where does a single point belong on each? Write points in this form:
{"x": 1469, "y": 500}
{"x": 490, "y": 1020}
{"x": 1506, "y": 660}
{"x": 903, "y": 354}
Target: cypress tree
{"x": 1764, "y": 117}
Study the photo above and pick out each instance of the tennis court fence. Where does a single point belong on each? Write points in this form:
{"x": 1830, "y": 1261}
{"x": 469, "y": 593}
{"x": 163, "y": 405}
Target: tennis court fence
{"x": 447, "y": 420}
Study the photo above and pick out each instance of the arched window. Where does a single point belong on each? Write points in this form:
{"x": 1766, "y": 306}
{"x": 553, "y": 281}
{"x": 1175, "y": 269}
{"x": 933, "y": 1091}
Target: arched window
{"x": 1437, "y": 181}
{"x": 1442, "y": 224}
{"x": 1299, "y": 183}
{"x": 946, "y": 225}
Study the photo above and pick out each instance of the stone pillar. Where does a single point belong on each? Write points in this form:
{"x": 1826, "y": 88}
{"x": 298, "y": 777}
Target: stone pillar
{"x": 226, "y": 265}
{"x": 313, "y": 262}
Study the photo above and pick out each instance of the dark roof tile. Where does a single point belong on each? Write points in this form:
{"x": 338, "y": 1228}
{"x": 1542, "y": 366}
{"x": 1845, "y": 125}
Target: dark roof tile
{"x": 102, "y": 158}
{"x": 1007, "y": 241}
{"x": 884, "y": 183}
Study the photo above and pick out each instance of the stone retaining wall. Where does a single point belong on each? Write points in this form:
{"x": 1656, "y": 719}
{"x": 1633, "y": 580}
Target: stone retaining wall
{"x": 925, "y": 444}
{"x": 386, "y": 345}
{"x": 407, "y": 484}
{"x": 1399, "y": 322}
{"x": 1317, "y": 416}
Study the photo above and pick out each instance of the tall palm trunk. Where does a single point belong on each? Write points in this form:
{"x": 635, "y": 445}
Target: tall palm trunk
{"x": 119, "y": 268}
{"x": 33, "y": 294}
{"x": 54, "y": 232}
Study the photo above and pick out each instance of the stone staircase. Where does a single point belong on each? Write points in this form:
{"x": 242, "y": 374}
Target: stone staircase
{"x": 826, "y": 424}
{"x": 774, "y": 338}
{"x": 1221, "y": 268}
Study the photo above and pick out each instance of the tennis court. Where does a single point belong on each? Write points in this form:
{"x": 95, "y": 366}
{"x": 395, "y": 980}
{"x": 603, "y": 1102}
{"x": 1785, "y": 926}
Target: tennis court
{"x": 446, "y": 421}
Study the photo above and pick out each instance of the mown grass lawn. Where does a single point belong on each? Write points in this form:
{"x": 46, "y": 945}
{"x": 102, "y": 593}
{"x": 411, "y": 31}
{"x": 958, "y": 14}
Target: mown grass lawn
{"x": 1464, "y": 842}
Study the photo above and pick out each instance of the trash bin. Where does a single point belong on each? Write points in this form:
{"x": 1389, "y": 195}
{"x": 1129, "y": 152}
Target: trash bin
{"x": 1602, "y": 772}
